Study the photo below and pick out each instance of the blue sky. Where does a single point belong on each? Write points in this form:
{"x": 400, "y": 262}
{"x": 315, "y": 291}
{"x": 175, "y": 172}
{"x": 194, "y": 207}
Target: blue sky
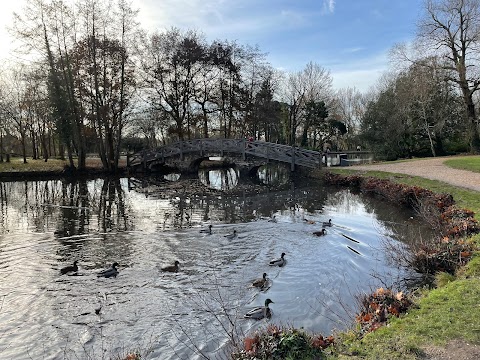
{"x": 350, "y": 38}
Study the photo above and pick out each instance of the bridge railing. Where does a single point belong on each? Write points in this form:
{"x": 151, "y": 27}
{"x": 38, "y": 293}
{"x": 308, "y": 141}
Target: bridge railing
{"x": 347, "y": 158}
{"x": 270, "y": 151}
{"x": 284, "y": 153}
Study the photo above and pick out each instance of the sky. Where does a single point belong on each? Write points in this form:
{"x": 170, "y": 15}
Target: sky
{"x": 349, "y": 38}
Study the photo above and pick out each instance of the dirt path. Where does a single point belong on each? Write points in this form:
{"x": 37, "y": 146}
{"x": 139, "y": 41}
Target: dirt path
{"x": 433, "y": 169}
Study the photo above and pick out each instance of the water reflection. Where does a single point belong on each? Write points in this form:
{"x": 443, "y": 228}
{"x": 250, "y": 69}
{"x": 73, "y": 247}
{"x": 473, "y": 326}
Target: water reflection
{"x": 273, "y": 174}
{"x": 144, "y": 225}
{"x": 219, "y": 179}
{"x": 66, "y": 208}
{"x": 172, "y": 176}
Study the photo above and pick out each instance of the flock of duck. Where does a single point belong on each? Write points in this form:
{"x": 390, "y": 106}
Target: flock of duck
{"x": 107, "y": 273}
{"x": 256, "y": 313}
{"x": 262, "y": 312}
{"x": 112, "y": 271}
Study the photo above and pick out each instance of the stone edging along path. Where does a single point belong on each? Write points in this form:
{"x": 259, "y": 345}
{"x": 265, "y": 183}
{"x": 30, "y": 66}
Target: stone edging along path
{"x": 432, "y": 169}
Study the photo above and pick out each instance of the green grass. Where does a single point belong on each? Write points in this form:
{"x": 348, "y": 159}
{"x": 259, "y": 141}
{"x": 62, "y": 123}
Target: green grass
{"x": 451, "y": 311}
{"x": 471, "y": 163}
{"x": 17, "y": 165}
{"x": 446, "y": 313}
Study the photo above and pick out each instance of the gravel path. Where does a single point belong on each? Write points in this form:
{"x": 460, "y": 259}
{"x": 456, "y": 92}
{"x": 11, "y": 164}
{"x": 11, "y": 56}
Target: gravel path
{"x": 433, "y": 169}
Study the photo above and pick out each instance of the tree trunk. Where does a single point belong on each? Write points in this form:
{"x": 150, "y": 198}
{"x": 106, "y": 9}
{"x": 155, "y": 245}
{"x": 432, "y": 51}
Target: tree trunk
{"x": 24, "y": 147}
{"x": 474, "y": 136}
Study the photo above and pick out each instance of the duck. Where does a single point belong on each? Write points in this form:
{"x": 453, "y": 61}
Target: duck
{"x": 278, "y": 262}
{"x": 260, "y": 312}
{"x": 112, "y": 272}
{"x": 72, "y": 268}
{"x": 232, "y": 235}
{"x": 310, "y": 222}
{"x": 172, "y": 268}
{"x": 327, "y": 223}
{"x": 320, "y": 233}
{"x": 207, "y": 231}
{"x": 260, "y": 283}
{"x": 273, "y": 219}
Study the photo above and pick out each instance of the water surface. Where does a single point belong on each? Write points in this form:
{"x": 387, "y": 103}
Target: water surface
{"x": 45, "y": 225}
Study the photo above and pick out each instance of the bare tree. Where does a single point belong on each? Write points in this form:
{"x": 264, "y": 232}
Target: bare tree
{"x": 452, "y": 28}
{"x": 171, "y": 62}
{"x": 14, "y": 106}
{"x": 312, "y": 84}
{"x": 350, "y": 108}
{"x": 104, "y": 77}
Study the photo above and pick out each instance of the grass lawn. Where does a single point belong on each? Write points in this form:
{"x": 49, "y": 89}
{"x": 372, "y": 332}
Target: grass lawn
{"x": 471, "y": 163}
{"x": 16, "y": 164}
{"x": 450, "y": 311}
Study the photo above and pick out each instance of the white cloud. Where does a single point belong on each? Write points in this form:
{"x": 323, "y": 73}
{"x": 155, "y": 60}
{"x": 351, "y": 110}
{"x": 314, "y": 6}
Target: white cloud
{"x": 362, "y": 80}
{"x": 353, "y": 50}
{"x": 293, "y": 18}
{"x": 361, "y": 73}
{"x": 328, "y": 6}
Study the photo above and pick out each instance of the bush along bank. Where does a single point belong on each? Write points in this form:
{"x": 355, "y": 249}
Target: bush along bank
{"x": 280, "y": 343}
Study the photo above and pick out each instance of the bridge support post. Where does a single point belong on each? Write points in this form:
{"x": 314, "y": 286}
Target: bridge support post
{"x": 144, "y": 161}
{"x": 244, "y": 147}
{"x": 292, "y": 164}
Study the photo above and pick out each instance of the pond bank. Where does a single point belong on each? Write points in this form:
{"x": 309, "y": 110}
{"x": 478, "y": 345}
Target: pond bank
{"x": 444, "y": 316}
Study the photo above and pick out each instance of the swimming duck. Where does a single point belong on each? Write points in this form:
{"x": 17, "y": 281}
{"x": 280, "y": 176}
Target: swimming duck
{"x": 260, "y": 283}
{"x": 311, "y": 222}
{"x": 278, "y": 262}
{"x": 172, "y": 268}
{"x": 320, "y": 233}
{"x": 207, "y": 231}
{"x": 327, "y": 223}
{"x": 272, "y": 219}
{"x": 232, "y": 235}
{"x": 112, "y": 272}
{"x": 71, "y": 268}
{"x": 260, "y": 312}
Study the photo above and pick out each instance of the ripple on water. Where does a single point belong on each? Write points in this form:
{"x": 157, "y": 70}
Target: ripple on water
{"x": 146, "y": 308}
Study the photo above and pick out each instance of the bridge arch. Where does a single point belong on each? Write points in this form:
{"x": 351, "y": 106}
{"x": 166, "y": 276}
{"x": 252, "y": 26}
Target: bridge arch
{"x": 202, "y": 148}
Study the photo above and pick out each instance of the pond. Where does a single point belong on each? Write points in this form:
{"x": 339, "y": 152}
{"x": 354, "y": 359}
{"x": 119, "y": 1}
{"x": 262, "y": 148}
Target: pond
{"x": 145, "y": 225}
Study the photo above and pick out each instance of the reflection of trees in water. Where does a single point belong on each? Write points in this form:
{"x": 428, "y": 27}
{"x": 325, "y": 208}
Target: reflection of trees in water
{"x": 273, "y": 174}
{"x": 220, "y": 179}
{"x": 23, "y": 204}
{"x": 396, "y": 219}
{"x": 112, "y": 211}
{"x": 65, "y": 207}
{"x": 102, "y": 205}
{"x": 190, "y": 209}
